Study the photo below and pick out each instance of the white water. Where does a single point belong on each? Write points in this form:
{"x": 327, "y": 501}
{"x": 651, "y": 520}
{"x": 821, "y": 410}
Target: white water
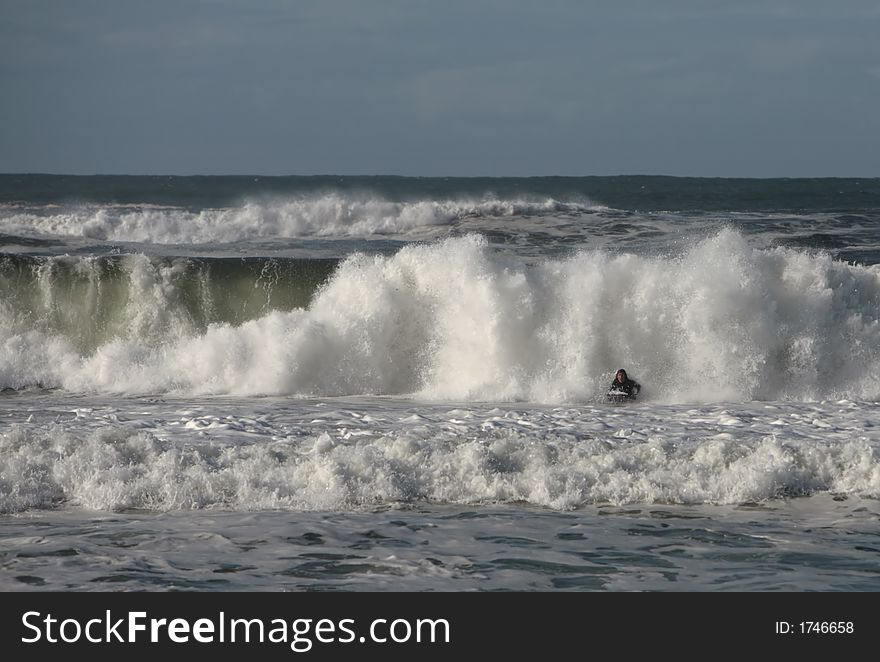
{"x": 330, "y": 215}
{"x": 351, "y": 454}
{"x": 258, "y": 457}
{"x": 454, "y": 320}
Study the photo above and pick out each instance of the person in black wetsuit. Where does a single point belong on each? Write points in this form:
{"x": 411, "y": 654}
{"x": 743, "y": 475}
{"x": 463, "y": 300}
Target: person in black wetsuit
{"x": 623, "y": 386}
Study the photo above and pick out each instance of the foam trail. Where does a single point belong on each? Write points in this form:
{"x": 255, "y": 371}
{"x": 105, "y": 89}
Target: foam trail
{"x": 453, "y": 320}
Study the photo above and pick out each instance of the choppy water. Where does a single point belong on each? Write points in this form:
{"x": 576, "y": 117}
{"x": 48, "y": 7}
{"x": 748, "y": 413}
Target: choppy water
{"x": 393, "y": 384}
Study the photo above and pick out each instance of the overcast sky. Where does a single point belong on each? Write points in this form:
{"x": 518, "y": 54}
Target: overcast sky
{"x": 441, "y": 87}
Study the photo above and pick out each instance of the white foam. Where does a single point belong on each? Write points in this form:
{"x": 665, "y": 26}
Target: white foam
{"x": 159, "y": 455}
{"x": 329, "y": 215}
{"x": 455, "y": 321}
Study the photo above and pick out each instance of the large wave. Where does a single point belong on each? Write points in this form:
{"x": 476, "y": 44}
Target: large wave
{"x": 456, "y": 320}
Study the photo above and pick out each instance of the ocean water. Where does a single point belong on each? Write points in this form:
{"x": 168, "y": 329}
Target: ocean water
{"x": 397, "y": 384}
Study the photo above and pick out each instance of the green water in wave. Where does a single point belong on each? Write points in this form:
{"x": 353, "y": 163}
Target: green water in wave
{"x": 90, "y": 300}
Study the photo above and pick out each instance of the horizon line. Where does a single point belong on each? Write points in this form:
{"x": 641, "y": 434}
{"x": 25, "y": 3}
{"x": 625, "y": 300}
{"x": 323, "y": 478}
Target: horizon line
{"x": 398, "y": 176}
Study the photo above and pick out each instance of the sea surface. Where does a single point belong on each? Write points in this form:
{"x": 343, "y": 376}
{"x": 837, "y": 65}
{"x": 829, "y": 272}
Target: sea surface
{"x": 397, "y": 384}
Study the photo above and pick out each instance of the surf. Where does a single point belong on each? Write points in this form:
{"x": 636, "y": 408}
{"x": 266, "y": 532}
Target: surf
{"x": 457, "y": 320}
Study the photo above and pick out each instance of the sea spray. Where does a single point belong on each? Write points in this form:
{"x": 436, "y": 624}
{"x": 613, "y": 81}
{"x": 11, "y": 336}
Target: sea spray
{"x": 456, "y": 320}
{"x": 318, "y": 215}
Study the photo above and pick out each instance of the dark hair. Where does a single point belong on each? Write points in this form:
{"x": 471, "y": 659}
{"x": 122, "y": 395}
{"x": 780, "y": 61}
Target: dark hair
{"x": 621, "y": 371}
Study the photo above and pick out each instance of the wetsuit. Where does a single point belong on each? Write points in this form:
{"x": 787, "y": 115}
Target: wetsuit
{"x": 628, "y": 388}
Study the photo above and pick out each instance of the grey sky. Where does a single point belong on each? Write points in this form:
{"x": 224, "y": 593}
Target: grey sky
{"x": 412, "y": 87}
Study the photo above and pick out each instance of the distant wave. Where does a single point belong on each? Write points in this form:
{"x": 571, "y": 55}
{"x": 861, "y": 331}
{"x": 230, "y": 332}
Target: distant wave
{"x": 330, "y": 215}
{"x": 455, "y": 320}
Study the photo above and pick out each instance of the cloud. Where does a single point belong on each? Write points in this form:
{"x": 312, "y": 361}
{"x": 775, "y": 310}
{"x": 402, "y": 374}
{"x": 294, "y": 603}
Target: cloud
{"x": 187, "y": 35}
{"x": 783, "y": 55}
{"x": 510, "y": 92}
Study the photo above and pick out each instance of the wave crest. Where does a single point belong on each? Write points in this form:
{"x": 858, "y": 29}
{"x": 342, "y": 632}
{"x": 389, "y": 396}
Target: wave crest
{"x": 455, "y": 320}
{"x": 330, "y": 215}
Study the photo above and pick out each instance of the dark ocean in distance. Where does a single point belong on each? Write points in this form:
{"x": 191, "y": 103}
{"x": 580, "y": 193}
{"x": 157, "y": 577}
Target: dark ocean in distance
{"x": 628, "y": 192}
